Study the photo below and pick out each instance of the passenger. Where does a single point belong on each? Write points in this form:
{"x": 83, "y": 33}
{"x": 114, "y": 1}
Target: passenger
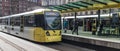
{"x": 75, "y": 29}
{"x": 65, "y": 24}
{"x": 101, "y": 28}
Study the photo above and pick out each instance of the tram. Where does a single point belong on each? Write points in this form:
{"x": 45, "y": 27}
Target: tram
{"x": 41, "y": 25}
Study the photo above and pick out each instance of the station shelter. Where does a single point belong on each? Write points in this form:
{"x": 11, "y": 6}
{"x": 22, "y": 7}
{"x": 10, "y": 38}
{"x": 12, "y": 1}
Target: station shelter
{"x": 94, "y": 24}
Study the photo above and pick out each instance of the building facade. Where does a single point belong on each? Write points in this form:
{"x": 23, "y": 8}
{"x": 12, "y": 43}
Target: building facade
{"x": 56, "y": 2}
{"x": 4, "y": 7}
{"x": 9, "y": 7}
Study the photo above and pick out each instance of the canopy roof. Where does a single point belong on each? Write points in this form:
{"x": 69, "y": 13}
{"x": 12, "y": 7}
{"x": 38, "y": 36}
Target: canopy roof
{"x": 87, "y": 5}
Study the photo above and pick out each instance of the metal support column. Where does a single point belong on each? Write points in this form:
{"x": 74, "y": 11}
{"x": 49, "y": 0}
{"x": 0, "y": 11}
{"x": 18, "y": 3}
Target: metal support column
{"x": 75, "y": 16}
{"x": 98, "y": 17}
{"x": 99, "y": 24}
{"x": 110, "y": 11}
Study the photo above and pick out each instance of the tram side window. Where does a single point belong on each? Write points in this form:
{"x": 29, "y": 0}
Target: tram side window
{"x": 17, "y": 21}
{"x": 0, "y": 21}
{"x": 4, "y": 21}
{"x": 29, "y": 21}
{"x": 39, "y": 21}
{"x": 12, "y": 21}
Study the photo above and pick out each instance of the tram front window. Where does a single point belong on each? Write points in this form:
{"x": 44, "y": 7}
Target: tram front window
{"x": 53, "y": 21}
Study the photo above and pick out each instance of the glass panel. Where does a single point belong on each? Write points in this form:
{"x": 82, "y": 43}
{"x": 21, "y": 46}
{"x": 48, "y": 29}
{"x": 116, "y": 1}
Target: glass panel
{"x": 82, "y": 25}
{"x": 110, "y": 25}
{"x": 53, "y": 20}
{"x": 17, "y": 21}
{"x": 29, "y": 21}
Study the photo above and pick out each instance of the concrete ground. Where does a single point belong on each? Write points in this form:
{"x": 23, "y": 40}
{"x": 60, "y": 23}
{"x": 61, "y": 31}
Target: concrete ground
{"x": 11, "y": 43}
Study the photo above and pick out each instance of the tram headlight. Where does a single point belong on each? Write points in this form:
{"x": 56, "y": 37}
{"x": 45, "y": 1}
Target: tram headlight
{"x": 47, "y": 33}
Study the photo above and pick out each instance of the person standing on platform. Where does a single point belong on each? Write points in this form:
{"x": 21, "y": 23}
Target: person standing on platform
{"x": 65, "y": 24}
{"x": 101, "y": 28}
{"x": 75, "y": 29}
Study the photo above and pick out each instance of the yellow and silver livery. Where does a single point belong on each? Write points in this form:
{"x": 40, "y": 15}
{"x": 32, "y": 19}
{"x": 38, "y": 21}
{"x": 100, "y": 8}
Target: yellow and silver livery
{"x": 41, "y": 25}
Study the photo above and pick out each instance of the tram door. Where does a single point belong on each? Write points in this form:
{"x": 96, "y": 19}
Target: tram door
{"x": 87, "y": 24}
{"x": 22, "y": 24}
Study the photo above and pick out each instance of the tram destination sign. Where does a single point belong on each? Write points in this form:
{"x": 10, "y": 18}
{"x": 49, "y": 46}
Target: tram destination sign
{"x": 52, "y": 13}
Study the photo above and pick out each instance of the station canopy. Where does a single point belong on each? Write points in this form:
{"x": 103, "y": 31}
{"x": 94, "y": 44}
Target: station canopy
{"x": 87, "y": 5}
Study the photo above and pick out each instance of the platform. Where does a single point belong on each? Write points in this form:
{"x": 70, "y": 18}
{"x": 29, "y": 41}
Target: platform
{"x": 12, "y": 43}
{"x": 87, "y": 37}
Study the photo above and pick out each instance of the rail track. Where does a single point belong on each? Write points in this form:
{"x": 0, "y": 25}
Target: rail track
{"x": 61, "y": 46}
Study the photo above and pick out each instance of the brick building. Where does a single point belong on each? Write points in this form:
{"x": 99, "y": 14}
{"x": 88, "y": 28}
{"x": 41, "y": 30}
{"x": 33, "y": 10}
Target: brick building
{"x": 4, "y": 7}
{"x": 8, "y": 7}
{"x": 56, "y": 2}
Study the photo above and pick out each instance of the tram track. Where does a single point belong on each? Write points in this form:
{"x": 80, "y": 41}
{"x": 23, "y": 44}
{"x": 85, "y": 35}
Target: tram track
{"x": 61, "y": 46}
{"x": 12, "y": 44}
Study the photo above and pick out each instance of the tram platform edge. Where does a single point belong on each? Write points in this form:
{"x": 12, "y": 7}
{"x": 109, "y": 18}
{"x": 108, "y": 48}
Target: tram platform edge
{"x": 92, "y": 40}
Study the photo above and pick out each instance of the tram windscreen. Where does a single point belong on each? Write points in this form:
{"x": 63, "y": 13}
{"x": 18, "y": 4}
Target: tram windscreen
{"x": 53, "y": 20}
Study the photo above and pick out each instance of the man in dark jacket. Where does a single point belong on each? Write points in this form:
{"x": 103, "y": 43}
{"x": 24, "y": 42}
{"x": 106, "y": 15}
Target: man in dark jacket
{"x": 75, "y": 29}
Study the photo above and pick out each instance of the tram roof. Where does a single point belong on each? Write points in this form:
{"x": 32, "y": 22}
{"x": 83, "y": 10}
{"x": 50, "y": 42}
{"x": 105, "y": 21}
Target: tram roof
{"x": 87, "y": 5}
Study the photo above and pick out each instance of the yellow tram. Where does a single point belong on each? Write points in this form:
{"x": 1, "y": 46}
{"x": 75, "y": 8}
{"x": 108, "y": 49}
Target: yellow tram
{"x": 41, "y": 25}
